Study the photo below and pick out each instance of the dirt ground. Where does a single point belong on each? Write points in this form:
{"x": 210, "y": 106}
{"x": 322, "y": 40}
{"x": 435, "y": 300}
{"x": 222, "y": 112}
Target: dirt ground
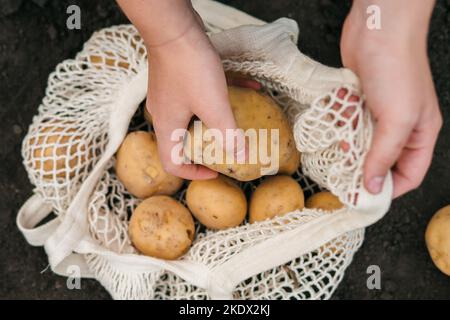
{"x": 34, "y": 38}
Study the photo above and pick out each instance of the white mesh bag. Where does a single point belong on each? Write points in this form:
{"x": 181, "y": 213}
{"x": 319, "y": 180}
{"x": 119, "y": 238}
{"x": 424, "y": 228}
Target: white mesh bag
{"x": 91, "y": 103}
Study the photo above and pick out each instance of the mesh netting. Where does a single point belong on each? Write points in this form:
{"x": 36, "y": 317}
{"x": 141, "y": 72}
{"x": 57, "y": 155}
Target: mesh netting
{"x": 71, "y": 131}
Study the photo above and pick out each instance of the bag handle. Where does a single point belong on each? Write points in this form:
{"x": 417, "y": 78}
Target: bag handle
{"x": 220, "y": 17}
{"x": 74, "y": 226}
{"x": 32, "y": 212}
{"x": 274, "y": 45}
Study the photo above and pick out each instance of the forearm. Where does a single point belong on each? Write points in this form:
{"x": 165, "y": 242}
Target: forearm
{"x": 407, "y": 20}
{"x": 159, "y": 21}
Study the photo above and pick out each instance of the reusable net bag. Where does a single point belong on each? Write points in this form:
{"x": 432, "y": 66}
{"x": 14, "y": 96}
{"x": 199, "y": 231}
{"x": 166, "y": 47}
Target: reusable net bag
{"x": 91, "y": 102}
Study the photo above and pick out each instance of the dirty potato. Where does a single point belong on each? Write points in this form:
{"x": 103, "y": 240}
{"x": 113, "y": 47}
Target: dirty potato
{"x": 161, "y": 227}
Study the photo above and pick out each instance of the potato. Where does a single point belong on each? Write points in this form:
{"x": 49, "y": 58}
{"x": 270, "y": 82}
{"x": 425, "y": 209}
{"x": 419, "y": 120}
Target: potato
{"x": 217, "y": 203}
{"x": 55, "y": 150}
{"x": 109, "y": 59}
{"x": 161, "y": 227}
{"x": 275, "y": 196}
{"x": 252, "y": 110}
{"x": 324, "y": 200}
{"x": 139, "y": 168}
{"x": 437, "y": 238}
{"x": 291, "y": 165}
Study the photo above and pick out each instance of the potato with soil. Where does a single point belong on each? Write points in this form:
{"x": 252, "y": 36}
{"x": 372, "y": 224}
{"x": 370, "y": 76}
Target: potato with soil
{"x": 217, "y": 203}
{"x": 324, "y": 200}
{"x": 252, "y": 110}
{"x": 161, "y": 227}
{"x": 139, "y": 167}
{"x": 437, "y": 237}
{"x": 275, "y": 196}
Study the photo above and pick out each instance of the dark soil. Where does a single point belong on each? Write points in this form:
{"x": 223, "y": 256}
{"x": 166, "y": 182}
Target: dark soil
{"x": 34, "y": 38}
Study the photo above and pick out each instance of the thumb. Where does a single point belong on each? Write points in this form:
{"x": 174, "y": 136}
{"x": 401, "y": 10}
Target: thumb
{"x": 389, "y": 139}
{"x": 165, "y": 127}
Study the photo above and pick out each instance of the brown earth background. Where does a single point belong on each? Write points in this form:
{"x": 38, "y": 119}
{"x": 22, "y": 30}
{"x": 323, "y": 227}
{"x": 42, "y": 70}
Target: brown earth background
{"x": 34, "y": 39}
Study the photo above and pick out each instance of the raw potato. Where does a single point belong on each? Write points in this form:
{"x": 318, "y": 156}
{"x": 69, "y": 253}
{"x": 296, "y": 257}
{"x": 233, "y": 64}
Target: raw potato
{"x": 139, "y": 168}
{"x": 437, "y": 237}
{"x": 252, "y": 110}
{"x": 324, "y": 200}
{"x": 109, "y": 59}
{"x": 55, "y": 151}
{"x": 217, "y": 203}
{"x": 292, "y": 164}
{"x": 161, "y": 227}
{"x": 275, "y": 196}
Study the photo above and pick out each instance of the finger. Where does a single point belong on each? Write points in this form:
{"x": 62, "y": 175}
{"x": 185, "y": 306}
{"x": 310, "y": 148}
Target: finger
{"x": 415, "y": 159}
{"x": 244, "y": 83}
{"x": 216, "y": 113}
{"x": 410, "y": 169}
{"x": 348, "y": 112}
{"x": 389, "y": 139}
{"x": 168, "y": 148}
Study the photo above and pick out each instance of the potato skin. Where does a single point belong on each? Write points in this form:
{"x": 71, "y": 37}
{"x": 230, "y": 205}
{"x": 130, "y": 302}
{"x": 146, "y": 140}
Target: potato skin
{"x": 291, "y": 165}
{"x": 275, "y": 196}
{"x": 161, "y": 227}
{"x": 324, "y": 200}
{"x": 253, "y": 110}
{"x": 53, "y": 146}
{"x": 139, "y": 168}
{"x": 108, "y": 59}
{"x": 217, "y": 203}
{"x": 437, "y": 238}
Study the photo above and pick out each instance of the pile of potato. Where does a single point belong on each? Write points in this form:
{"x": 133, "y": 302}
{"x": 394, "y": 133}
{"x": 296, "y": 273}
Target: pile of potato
{"x": 162, "y": 227}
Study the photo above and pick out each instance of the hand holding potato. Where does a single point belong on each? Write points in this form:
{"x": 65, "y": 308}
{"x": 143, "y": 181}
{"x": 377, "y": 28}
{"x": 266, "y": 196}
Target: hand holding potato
{"x": 258, "y": 112}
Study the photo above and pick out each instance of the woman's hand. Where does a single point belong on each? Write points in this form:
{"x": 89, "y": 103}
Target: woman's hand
{"x": 186, "y": 77}
{"x": 393, "y": 66}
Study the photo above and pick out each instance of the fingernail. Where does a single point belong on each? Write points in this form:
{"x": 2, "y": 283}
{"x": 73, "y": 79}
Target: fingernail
{"x": 375, "y": 184}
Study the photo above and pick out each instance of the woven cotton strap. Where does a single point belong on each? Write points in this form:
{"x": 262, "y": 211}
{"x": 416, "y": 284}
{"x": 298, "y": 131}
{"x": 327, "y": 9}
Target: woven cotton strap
{"x": 74, "y": 226}
{"x": 33, "y": 211}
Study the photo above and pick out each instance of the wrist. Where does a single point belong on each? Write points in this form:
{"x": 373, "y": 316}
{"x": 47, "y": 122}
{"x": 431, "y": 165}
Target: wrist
{"x": 193, "y": 43}
{"x": 160, "y": 22}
